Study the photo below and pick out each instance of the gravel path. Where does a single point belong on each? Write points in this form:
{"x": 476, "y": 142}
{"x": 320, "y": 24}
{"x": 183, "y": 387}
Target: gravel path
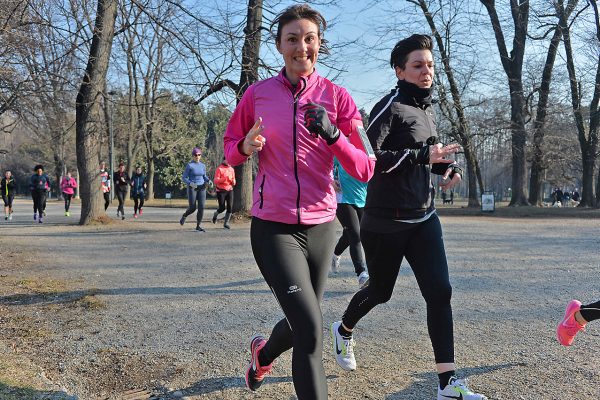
{"x": 149, "y": 309}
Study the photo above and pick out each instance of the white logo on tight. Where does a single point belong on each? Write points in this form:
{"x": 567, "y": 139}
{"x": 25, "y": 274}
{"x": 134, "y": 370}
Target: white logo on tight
{"x": 294, "y": 289}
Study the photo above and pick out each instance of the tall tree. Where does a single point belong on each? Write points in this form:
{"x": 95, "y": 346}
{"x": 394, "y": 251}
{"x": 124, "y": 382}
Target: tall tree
{"x": 513, "y": 67}
{"x": 538, "y": 162}
{"x": 453, "y": 109}
{"x": 587, "y": 133}
{"x": 248, "y": 75}
{"x": 89, "y": 125}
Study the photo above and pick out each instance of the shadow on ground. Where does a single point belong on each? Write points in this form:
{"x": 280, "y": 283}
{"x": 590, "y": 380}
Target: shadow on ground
{"x": 16, "y": 393}
{"x": 75, "y": 295}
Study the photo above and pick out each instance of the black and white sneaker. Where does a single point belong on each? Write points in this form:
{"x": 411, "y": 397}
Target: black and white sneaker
{"x": 343, "y": 348}
{"x": 457, "y": 389}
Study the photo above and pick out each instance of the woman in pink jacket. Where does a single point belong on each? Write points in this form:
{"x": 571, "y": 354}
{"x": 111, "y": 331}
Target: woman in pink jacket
{"x": 296, "y": 122}
{"x": 67, "y": 186}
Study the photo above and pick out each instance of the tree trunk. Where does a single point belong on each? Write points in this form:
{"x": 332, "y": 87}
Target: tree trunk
{"x": 513, "y": 67}
{"x": 587, "y": 136}
{"x": 518, "y": 141}
{"x": 474, "y": 177}
{"x": 89, "y": 126}
{"x": 538, "y": 165}
{"x": 250, "y": 57}
{"x": 150, "y": 179}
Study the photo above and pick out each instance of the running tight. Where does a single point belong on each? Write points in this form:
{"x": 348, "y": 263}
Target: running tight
{"x": 590, "y": 312}
{"x": 121, "y": 199}
{"x": 68, "y": 198}
{"x": 138, "y": 202}
{"x": 196, "y": 199}
{"x": 106, "y": 199}
{"x": 423, "y": 247}
{"x": 349, "y": 216}
{"x": 225, "y": 199}
{"x": 39, "y": 201}
{"x": 295, "y": 260}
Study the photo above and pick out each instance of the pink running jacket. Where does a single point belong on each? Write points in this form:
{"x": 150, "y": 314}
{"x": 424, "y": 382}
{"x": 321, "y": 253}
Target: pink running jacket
{"x": 294, "y": 180}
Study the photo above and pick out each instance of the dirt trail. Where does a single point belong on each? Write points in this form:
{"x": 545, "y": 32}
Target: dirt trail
{"x": 149, "y": 309}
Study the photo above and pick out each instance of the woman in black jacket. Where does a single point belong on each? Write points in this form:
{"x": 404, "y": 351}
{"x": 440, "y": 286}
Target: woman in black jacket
{"x": 399, "y": 220}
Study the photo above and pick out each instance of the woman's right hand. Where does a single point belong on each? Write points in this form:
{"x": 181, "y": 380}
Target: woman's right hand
{"x": 254, "y": 141}
{"x": 439, "y": 152}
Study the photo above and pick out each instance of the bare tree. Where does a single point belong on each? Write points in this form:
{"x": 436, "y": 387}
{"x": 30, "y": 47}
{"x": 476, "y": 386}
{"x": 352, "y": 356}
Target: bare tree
{"x": 453, "y": 109}
{"x": 587, "y": 133}
{"x": 538, "y": 162}
{"x": 513, "y": 67}
{"x": 89, "y": 125}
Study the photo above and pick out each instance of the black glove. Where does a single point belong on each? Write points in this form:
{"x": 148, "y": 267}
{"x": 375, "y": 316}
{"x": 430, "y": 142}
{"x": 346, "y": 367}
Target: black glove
{"x": 317, "y": 122}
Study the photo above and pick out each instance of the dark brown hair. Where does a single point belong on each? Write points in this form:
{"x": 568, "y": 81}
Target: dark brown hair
{"x": 298, "y": 12}
{"x": 404, "y": 47}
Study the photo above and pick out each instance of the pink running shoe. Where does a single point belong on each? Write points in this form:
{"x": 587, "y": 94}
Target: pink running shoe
{"x": 568, "y": 327}
{"x": 255, "y": 374}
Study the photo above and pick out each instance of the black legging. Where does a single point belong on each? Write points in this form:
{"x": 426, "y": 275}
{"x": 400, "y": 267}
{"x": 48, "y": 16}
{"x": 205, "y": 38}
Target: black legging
{"x": 196, "y": 199}
{"x": 8, "y": 200}
{"x": 121, "y": 197}
{"x": 68, "y": 198}
{"x": 349, "y": 216}
{"x": 39, "y": 201}
{"x": 295, "y": 260}
{"x": 590, "y": 312}
{"x": 423, "y": 247}
{"x": 138, "y": 202}
{"x": 106, "y": 200}
{"x": 225, "y": 199}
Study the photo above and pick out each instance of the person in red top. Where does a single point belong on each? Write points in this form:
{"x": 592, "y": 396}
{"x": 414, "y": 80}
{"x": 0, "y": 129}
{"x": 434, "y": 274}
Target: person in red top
{"x": 67, "y": 186}
{"x": 224, "y": 182}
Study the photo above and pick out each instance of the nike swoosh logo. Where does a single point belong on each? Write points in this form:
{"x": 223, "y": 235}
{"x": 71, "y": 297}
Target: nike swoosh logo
{"x": 337, "y": 349}
{"x": 460, "y": 397}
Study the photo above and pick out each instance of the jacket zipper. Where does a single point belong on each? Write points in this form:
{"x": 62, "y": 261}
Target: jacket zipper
{"x": 296, "y": 97}
{"x": 260, "y": 191}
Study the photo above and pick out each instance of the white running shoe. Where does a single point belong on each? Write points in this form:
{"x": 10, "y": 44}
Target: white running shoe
{"x": 363, "y": 280}
{"x": 458, "y": 389}
{"x": 343, "y": 348}
{"x": 335, "y": 264}
{"x": 10, "y": 216}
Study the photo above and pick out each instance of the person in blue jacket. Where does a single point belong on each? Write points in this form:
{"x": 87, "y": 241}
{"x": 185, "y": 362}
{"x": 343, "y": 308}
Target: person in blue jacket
{"x": 138, "y": 191}
{"x": 351, "y": 196}
{"x": 196, "y": 180}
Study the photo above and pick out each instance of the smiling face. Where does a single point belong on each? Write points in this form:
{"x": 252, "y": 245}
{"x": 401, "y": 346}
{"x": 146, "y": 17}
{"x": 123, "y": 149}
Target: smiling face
{"x": 299, "y": 45}
{"x": 418, "y": 70}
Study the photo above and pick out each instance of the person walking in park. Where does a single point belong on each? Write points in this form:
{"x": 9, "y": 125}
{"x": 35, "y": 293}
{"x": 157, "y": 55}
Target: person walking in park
{"x": 8, "y": 187}
{"x": 195, "y": 178}
{"x": 105, "y": 182}
{"x": 576, "y": 318}
{"x": 224, "y": 181}
{"x": 296, "y": 122}
{"x": 39, "y": 185}
{"x": 350, "y": 204}
{"x": 67, "y": 186}
{"x": 138, "y": 191}
{"x": 400, "y": 220}
{"x": 121, "y": 180}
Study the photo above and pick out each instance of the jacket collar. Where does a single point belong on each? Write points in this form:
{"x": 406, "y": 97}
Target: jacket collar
{"x": 304, "y": 83}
